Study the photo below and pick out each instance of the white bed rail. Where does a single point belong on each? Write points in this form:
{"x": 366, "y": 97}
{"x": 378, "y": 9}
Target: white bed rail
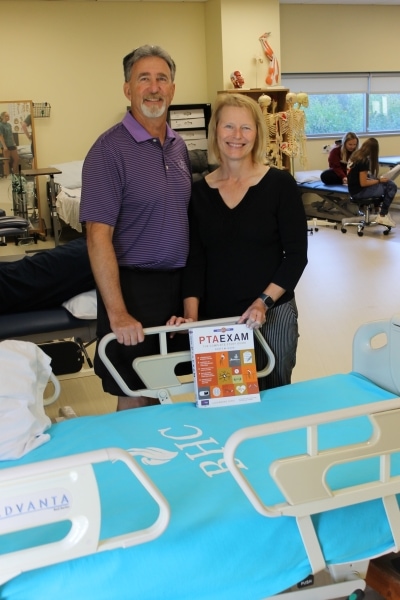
{"x": 65, "y": 489}
{"x": 379, "y": 361}
{"x": 158, "y": 371}
{"x": 302, "y": 479}
{"x": 56, "y": 392}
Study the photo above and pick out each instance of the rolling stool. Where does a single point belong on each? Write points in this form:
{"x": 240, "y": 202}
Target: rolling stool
{"x": 365, "y": 206}
{"x": 15, "y": 227}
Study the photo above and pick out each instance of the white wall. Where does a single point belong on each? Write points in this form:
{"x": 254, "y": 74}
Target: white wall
{"x": 70, "y": 54}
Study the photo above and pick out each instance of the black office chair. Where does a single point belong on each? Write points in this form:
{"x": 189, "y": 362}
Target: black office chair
{"x": 368, "y": 208}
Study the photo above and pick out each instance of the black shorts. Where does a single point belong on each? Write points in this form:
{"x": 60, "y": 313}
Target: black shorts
{"x": 152, "y": 297}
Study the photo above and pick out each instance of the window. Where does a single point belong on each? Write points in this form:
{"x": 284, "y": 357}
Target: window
{"x": 367, "y": 103}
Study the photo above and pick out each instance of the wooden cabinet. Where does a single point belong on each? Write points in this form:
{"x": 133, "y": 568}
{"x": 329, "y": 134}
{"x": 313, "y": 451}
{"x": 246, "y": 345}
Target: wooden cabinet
{"x": 191, "y": 122}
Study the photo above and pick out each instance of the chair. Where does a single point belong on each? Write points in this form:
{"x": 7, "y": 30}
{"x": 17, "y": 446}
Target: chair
{"x": 366, "y": 212}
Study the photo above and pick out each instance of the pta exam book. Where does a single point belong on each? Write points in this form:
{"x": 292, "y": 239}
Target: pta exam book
{"x": 224, "y": 366}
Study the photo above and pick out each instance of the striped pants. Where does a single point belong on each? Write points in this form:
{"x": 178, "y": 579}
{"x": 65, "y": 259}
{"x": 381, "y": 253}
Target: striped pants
{"x": 281, "y": 334}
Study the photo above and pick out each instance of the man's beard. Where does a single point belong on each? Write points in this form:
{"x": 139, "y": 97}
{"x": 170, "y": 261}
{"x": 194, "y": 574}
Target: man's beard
{"x": 153, "y": 112}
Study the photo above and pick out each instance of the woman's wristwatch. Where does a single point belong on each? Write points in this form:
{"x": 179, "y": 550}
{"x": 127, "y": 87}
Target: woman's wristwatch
{"x": 269, "y": 303}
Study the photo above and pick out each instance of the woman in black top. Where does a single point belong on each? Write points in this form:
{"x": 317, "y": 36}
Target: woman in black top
{"x": 248, "y": 236}
{"x": 364, "y": 181}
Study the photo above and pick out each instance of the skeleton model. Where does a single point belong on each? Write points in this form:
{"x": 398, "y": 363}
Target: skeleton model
{"x": 294, "y": 119}
{"x": 272, "y": 77}
{"x": 286, "y": 129}
{"x": 273, "y": 154}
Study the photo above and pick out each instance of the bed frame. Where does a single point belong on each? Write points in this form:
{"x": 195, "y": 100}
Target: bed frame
{"x": 74, "y": 491}
{"x": 333, "y": 206}
{"x": 303, "y": 479}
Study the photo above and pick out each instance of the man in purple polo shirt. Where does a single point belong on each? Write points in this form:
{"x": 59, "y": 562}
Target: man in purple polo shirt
{"x": 136, "y": 185}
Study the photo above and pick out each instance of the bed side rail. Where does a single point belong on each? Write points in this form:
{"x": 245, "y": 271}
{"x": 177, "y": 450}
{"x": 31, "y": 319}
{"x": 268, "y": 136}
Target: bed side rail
{"x": 158, "y": 371}
{"x": 302, "y": 479}
{"x": 380, "y": 363}
{"x": 65, "y": 489}
{"x": 56, "y": 391}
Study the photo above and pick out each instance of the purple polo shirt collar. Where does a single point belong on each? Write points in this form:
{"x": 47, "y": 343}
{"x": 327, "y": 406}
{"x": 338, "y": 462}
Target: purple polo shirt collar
{"x": 139, "y": 133}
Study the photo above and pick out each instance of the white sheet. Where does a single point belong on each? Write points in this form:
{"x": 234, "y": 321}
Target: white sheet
{"x": 67, "y": 203}
{"x": 306, "y": 176}
{"x": 25, "y": 370}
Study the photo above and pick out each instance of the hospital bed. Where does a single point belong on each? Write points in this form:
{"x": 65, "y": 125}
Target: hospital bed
{"x": 67, "y": 189}
{"x": 244, "y": 502}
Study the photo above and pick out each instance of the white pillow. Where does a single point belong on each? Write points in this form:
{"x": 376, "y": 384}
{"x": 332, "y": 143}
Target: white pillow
{"x": 83, "y": 306}
{"x": 71, "y": 176}
{"x": 307, "y": 176}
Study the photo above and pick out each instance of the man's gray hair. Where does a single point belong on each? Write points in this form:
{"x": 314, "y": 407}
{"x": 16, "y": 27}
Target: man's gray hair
{"x": 144, "y": 52}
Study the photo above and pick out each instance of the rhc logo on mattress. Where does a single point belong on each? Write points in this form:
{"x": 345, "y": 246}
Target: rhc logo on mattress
{"x": 195, "y": 447}
{"x": 33, "y": 509}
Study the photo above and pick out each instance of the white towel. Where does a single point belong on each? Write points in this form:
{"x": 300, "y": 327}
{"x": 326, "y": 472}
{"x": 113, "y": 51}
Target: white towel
{"x": 24, "y": 373}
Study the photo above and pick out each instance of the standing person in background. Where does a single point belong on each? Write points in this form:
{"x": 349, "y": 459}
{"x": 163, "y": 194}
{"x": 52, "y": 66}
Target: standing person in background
{"x": 9, "y": 147}
{"x": 338, "y": 158}
{"x": 136, "y": 184}
{"x": 28, "y": 131}
{"x": 248, "y": 237}
{"x": 364, "y": 181}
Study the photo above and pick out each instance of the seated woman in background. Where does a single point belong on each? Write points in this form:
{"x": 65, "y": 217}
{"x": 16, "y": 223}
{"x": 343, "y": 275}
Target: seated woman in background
{"x": 338, "y": 159}
{"x": 364, "y": 181}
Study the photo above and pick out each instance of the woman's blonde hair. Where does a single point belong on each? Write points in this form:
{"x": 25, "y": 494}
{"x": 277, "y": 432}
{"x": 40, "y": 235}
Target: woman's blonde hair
{"x": 258, "y": 152}
{"x": 350, "y": 135}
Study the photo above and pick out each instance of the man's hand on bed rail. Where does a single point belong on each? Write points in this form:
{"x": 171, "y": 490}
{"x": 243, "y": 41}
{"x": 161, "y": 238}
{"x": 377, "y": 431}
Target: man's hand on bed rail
{"x": 127, "y": 330}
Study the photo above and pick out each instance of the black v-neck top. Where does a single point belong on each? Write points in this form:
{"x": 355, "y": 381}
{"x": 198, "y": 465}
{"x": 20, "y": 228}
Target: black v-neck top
{"x": 236, "y": 252}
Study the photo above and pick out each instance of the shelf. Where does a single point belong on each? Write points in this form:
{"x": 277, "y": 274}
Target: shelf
{"x": 191, "y": 122}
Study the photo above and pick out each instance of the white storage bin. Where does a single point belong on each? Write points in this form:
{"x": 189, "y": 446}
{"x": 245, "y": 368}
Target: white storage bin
{"x": 193, "y": 134}
{"x": 187, "y": 113}
{"x": 197, "y": 144}
{"x": 188, "y": 123}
